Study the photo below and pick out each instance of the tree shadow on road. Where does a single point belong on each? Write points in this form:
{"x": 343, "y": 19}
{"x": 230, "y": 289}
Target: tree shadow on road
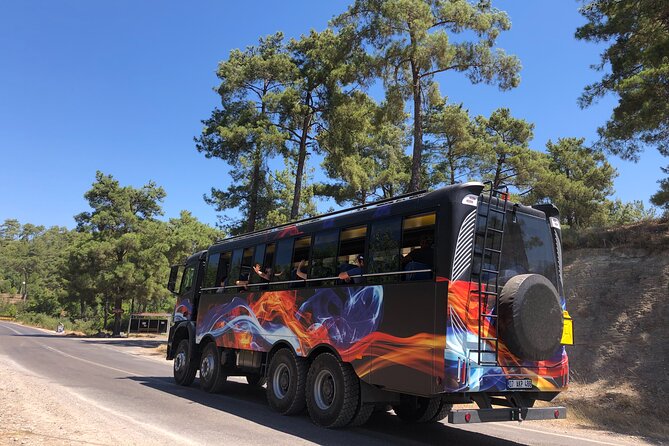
{"x": 383, "y": 428}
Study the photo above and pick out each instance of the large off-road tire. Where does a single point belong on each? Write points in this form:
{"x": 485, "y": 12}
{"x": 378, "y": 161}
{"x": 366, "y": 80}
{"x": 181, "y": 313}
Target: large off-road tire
{"x": 530, "y": 317}
{"x": 333, "y": 392}
{"x": 256, "y": 379}
{"x": 286, "y": 381}
{"x": 442, "y": 412}
{"x": 362, "y": 415}
{"x": 212, "y": 375}
{"x": 417, "y": 409}
{"x": 185, "y": 364}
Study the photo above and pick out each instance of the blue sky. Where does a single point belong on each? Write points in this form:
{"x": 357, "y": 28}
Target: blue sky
{"x": 122, "y": 86}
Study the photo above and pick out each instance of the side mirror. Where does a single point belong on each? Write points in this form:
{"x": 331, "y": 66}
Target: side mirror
{"x": 174, "y": 272}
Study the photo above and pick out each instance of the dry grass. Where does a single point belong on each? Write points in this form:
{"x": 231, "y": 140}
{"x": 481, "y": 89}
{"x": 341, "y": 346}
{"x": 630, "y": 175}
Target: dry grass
{"x": 651, "y": 234}
{"x": 619, "y": 409}
{"x": 161, "y": 350}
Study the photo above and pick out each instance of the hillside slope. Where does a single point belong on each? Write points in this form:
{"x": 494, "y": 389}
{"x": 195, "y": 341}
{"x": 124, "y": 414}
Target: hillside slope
{"x": 618, "y": 297}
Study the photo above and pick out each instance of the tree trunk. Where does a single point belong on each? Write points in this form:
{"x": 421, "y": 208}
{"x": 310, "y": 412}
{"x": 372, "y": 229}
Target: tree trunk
{"x": 299, "y": 172}
{"x": 117, "y": 316}
{"x": 451, "y": 165}
{"x": 106, "y": 314}
{"x": 498, "y": 173}
{"x": 415, "y": 182}
{"x": 253, "y": 195}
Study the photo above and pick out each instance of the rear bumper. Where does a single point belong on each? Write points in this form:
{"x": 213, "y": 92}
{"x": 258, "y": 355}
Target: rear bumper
{"x": 469, "y": 416}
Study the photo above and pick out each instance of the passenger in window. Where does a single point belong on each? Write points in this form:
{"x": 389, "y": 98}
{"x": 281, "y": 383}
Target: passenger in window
{"x": 243, "y": 281}
{"x": 299, "y": 273}
{"x": 419, "y": 259}
{"x": 424, "y": 254}
{"x": 346, "y": 276}
{"x": 266, "y": 275}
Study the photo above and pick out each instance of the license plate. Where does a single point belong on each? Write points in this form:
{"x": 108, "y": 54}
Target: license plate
{"x": 513, "y": 384}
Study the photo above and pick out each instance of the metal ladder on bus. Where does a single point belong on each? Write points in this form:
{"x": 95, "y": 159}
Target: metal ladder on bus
{"x": 487, "y": 259}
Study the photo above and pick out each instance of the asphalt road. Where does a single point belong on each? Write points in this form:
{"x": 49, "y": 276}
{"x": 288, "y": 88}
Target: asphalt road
{"x": 140, "y": 391}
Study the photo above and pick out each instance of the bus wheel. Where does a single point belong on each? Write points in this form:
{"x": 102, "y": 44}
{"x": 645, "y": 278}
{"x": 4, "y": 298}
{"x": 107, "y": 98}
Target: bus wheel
{"x": 285, "y": 382}
{"x": 362, "y": 416}
{"x": 442, "y": 412}
{"x": 416, "y": 409}
{"x": 212, "y": 376}
{"x": 185, "y": 365}
{"x": 256, "y": 379}
{"x": 333, "y": 392}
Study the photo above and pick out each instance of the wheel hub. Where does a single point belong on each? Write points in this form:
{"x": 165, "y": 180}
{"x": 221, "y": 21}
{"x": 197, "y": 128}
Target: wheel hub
{"x": 281, "y": 381}
{"x": 207, "y": 367}
{"x": 179, "y": 361}
{"x": 325, "y": 390}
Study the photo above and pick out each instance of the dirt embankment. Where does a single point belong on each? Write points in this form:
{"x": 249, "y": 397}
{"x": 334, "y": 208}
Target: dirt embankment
{"x": 618, "y": 297}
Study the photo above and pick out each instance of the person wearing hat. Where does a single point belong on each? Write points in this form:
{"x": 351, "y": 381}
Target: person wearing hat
{"x": 346, "y": 276}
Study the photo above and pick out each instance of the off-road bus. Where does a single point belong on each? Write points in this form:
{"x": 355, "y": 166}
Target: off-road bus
{"x": 415, "y": 303}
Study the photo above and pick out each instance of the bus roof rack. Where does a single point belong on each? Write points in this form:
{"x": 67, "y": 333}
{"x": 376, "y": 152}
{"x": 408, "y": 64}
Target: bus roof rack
{"x": 360, "y": 207}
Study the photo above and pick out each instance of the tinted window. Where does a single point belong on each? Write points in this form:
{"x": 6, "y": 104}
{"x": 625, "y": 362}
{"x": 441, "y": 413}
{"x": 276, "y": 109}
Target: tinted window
{"x": 235, "y": 267}
{"x": 384, "y": 246}
{"x": 301, "y": 254}
{"x": 247, "y": 260}
{"x": 223, "y": 269}
{"x": 258, "y": 258}
{"x": 212, "y": 271}
{"x": 282, "y": 263}
{"x": 187, "y": 280}
{"x": 325, "y": 254}
{"x": 528, "y": 248}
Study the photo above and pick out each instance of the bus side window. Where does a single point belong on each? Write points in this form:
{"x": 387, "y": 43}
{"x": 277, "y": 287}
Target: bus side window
{"x": 258, "y": 259}
{"x": 211, "y": 271}
{"x": 223, "y": 269}
{"x": 351, "y": 247}
{"x": 235, "y": 269}
{"x": 300, "y": 265}
{"x": 324, "y": 258}
{"x": 282, "y": 262}
{"x": 417, "y": 245}
{"x": 384, "y": 249}
{"x": 246, "y": 269}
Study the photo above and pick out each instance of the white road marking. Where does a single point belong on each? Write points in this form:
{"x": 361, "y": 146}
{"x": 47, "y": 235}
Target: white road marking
{"x": 10, "y": 328}
{"x": 90, "y": 362}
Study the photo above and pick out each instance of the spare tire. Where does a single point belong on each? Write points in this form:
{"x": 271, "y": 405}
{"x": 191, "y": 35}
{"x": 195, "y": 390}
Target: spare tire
{"x": 530, "y": 317}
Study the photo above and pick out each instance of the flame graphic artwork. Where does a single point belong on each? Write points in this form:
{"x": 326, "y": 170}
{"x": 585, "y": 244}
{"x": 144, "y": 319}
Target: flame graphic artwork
{"x": 349, "y": 320}
{"x": 345, "y": 318}
{"x": 183, "y": 310}
{"x": 462, "y": 335}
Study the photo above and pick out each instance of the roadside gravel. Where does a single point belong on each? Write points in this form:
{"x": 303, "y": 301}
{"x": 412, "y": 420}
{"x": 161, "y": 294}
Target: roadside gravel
{"x": 37, "y": 411}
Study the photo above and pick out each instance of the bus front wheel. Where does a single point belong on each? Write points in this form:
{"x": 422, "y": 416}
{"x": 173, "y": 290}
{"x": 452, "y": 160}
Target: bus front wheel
{"x": 185, "y": 365}
{"x": 286, "y": 382}
{"x": 212, "y": 375}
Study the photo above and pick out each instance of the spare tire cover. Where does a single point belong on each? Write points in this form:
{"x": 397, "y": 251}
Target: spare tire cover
{"x": 530, "y": 317}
